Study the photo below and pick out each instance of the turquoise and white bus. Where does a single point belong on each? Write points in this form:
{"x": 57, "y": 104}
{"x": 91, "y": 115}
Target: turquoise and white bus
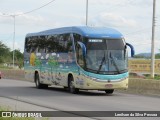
{"x": 77, "y": 58}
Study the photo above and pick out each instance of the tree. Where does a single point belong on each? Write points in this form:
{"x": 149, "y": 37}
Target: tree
{"x": 18, "y": 57}
{"x": 4, "y": 53}
{"x": 157, "y": 56}
{"x": 6, "y": 56}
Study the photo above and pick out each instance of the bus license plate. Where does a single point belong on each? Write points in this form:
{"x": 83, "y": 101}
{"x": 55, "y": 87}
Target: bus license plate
{"x": 108, "y": 85}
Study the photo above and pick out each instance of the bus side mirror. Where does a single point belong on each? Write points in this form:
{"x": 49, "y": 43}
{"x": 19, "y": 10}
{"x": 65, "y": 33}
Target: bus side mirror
{"x": 83, "y": 48}
{"x": 132, "y": 49}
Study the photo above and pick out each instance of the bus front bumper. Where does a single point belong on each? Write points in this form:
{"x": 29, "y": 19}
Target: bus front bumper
{"x": 103, "y": 85}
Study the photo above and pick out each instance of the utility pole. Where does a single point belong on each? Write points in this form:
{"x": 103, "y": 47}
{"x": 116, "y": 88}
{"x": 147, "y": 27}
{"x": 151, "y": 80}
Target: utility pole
{"x": 153, "y": 41}
{"x": 14, "y": 26}
{"x": 13, "y": 39}
{"x": 86, "y": 12}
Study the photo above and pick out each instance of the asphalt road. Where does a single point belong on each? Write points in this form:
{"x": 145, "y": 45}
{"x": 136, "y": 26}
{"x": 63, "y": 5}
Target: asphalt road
{"x": 23, "y": 95}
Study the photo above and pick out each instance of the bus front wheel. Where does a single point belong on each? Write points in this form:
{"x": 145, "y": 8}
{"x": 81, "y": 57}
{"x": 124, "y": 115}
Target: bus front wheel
{"x": 109, "y": 91}
{"x": 72, "y": 88}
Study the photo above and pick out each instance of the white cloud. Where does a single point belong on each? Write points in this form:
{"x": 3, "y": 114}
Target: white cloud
{"x": 109, "y": 2}
{"x": 119, "y": 3}
{"x": 24, "y": 18}
{"x": 114, "y": 20}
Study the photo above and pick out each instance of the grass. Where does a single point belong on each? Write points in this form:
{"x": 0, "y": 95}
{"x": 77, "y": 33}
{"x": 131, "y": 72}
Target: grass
{"x": 144, "y": 76}
{"x": 5, "y": 67}
{"x": 148, "y": 76}
{"x": 4, "y": 109}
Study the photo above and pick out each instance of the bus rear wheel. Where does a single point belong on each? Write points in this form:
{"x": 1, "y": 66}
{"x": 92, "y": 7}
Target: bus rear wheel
{"x": 38, "y": 84}
{"x": 109, "y": 91}
{"x": 71, "y": 86}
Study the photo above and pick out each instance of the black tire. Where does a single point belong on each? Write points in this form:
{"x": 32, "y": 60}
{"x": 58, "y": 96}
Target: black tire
{"x": 38, "y": 84}
{"x": 65, "y": 88}
{"x": 71, "y": 86}
{"x": 109, "y": 91}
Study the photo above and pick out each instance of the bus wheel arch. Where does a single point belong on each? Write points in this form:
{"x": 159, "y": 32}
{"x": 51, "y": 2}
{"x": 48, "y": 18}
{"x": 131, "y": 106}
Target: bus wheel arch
{"x": 71, "y": 86}
{"x": 35, "y": 75}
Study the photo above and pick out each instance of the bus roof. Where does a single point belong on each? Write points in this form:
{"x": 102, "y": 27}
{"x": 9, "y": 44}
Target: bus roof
{"x": 93, "y": 32}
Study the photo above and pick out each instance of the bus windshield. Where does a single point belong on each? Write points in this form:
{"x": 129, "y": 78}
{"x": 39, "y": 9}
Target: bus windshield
{"x": 105, "y": 56}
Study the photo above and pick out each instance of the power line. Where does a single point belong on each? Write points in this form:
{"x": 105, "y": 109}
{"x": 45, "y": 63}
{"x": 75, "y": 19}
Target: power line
{"x": 30, "y": 10}
{"x": 37, "y": 8}
{"x": 14, "y": 16}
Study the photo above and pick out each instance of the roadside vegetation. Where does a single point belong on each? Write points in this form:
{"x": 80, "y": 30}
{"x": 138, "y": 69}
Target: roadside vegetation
{"x": 148, "y": 76}
{"x": 148, "y": 56}
{"x": 6, "y": 57}
{"x": 144, "y": 76}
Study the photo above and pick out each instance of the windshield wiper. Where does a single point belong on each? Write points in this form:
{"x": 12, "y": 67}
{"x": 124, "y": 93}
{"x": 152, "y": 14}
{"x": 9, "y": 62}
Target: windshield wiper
{"x": 114, "y": 63}
{"x": 100, "y": 66}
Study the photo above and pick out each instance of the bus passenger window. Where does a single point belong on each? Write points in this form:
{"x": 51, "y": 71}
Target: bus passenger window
{"x": 79, "y": 55}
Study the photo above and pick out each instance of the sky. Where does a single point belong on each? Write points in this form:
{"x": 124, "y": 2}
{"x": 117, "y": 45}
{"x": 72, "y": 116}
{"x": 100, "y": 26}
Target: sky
{"x": 133, "y": 18}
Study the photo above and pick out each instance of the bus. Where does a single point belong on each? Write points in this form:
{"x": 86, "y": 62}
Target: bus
{"x": 77, "y": 58}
